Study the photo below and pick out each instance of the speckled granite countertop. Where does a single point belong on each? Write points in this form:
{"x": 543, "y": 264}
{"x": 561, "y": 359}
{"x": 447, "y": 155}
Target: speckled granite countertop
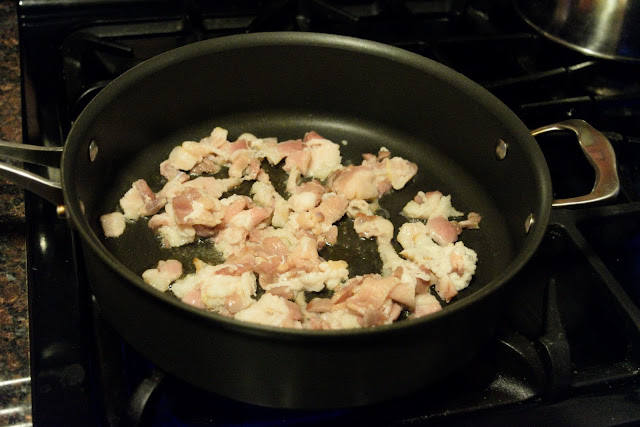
{"x": 15, "y": 387}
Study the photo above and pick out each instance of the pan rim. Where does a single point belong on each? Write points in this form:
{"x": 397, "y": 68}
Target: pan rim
{"x": 79, "y": 131}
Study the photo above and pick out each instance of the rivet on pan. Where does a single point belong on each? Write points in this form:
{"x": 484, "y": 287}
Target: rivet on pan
{"x": 501, "y": 149}
{"x": 529, "y": 223}
{"x": 61, "y": 210}
{"x": 93, "y": 151}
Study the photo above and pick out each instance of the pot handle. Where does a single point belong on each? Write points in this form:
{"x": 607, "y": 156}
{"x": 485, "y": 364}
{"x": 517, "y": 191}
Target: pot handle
{"x": 599, "y": 153}
{"x": 44, "y": 156}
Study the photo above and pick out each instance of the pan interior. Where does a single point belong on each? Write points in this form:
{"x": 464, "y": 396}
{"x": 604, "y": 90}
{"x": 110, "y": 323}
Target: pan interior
{"x": 138, "y": 249}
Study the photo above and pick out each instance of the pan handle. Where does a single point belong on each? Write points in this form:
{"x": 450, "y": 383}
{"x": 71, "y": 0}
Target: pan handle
{"x": 44, "y": 156}
{"x": 599, "y": 153}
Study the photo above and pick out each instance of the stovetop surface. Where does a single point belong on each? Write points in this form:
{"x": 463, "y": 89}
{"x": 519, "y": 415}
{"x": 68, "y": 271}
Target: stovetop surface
{"x": 568, "y": 345}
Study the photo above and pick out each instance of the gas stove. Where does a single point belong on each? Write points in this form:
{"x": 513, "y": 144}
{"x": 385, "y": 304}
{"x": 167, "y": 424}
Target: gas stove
{"x": 567, "y": 350}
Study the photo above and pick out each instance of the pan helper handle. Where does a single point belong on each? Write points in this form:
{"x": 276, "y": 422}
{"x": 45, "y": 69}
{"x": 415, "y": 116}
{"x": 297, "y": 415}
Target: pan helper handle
{"x": 599, "y": 153}
{"x": 44, "y": 156}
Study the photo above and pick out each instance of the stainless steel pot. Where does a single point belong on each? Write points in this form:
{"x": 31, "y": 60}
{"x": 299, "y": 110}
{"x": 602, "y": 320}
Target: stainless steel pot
{"x": 602, "y": 28}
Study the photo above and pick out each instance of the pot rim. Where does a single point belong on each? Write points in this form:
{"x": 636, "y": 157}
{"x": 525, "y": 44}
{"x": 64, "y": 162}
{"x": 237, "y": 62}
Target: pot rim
{"x": 557, "y": 24}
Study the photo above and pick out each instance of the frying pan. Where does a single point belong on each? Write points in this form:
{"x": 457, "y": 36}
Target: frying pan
{"x": 465, "y": 141}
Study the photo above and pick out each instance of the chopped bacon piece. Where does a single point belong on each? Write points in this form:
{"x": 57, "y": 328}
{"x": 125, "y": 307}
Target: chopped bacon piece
{"x": 181, "y": 159}
{"x": 272, "y": 310}
{"x": 159, "y": 220}
{"x": 451, "y": 266}
{"x": 209, "y": 164}
{"x": 445, "y": 288}
{"x": 371, "y": 293}
{"x": 325, "y": 158}
{"x": 331, "y": 236}
{"x": 250, "y": 218}
{"x": 359, "y": 206}
{"x": 217, "y": 138}
{"x": 390, "y": 172}
{"x": 404, "y": 293}
{"x": 304, "y": 201}
{"x": 306, "y": 196}
{"x": 141, "y": 200}
{"x": 472, "y": 221}
{"x": 457, "y": 259}
{"x": 400, "y": 171}
{"x": 194, "y": 298}
{"x": 426, "y": 304}
{"x": 231, "y": 240}
{"x": 240, "y": 144}
{"x": 234, "y": 303}
{"x": 239, "y": 164}
{"x": 225, "y": 286}
{"x": 204, "y": 231}
{"x": 312, "y": 186}
{"x": 174, "y": 236}
{"x": 132, "y": 203}
{"x": 332, "y": 208}
{"x": 196, "y": 149}
{"x": 165, "y": 273}
{"x": 394, "y": 313}
{"x": 289, "y": 147}
{"x": 113, "y": 224}
{"x": 441, "y": 230}
{"x": 234, "y": 205}
{"x": 195, "y": 208}
{"x": 347, "y": 290}
{"x": 213, "y": 187}
{"x": 319, "y": 220}
{"x": 311, "y": 135}
{"x": 271, "y": 246}
{"x": 167, "y": 170}
{"x": 276, "y": 152}
{"x": 354, "y": 182}
{"x": 320, "y": 305}
{"x": 173, "y": 186}
{"x": 282, "y": 291}
{"x": 373, "y": 226}
{"x": 383, "y": 154}
{"x": 304, "y": 254}
{"x": 299, "y": 160}
{"x": 373, "y": 317}
{"x": 427, "y": 205}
